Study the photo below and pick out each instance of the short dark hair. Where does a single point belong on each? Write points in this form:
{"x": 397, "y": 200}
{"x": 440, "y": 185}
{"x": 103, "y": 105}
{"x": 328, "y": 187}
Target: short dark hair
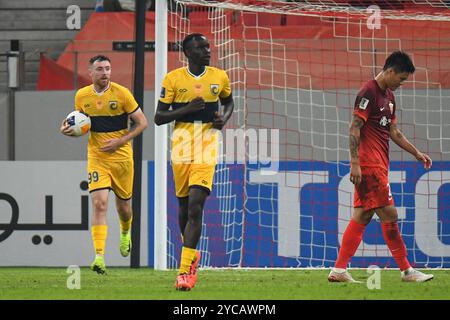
{"x": 400, "y": 62}
{"x": 98, "y": 58}
{"x": 190, "y": 37}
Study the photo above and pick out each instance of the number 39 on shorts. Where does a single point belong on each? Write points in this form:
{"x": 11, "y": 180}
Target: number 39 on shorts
{"x": 92, "y": 176}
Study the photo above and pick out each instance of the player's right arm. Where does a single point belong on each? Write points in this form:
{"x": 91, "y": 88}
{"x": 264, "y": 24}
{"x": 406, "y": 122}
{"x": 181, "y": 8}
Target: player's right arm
{"x": 163, "y": 112}
{"x": 65, "y": 129}
{"x": 361, "y": 111}
{"x": 164, "y": 115}
{"x": 354, "y": 139}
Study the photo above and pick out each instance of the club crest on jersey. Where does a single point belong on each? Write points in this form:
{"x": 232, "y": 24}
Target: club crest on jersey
{"x": 214, "y": 89}
{"x": 113, "y": 105}
{"x": 163, "y": 93}
{"x": 363, "y": 103}
{"x": 391, "y": 107}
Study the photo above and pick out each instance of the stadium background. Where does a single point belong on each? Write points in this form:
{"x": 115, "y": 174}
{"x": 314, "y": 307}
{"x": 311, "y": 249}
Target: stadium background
{"x": 49, "y": 164}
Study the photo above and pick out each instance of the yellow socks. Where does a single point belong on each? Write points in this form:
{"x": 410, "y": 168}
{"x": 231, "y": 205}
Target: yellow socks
{"x": 187, "y": 255}
{"x": 99, "y": 233}
{"x": 125, "y": 226}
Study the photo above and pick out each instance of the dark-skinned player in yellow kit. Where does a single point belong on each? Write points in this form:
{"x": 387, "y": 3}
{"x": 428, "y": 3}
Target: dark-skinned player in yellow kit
{"x": 190, "y": 97}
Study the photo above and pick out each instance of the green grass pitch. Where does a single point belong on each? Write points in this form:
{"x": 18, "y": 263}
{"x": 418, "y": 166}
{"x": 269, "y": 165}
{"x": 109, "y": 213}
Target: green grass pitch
{"x": 221, "y": 284}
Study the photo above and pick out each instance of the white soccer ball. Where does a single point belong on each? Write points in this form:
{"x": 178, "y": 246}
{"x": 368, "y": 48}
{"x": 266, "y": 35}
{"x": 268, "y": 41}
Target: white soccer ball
{"x": 79, "y": 122}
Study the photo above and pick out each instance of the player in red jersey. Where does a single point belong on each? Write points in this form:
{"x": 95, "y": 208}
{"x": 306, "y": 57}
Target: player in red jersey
{"x": 374, "y": 122}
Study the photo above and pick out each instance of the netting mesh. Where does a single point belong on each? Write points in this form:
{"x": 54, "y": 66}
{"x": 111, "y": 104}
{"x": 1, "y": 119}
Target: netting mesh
{"x": 295, "y": 69}
{"x": 415, "y": 10}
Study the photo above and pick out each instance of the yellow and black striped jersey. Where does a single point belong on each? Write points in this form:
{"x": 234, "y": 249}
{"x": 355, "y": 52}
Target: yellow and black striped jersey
{"x": 109, "y": 112}
{"x": 180, "y": 87}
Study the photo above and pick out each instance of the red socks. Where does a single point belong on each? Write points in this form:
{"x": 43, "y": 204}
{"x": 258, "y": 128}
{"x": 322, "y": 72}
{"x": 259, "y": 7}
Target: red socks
{"x": 350, "y": 242}
{"x": 353, "y": 236}
{"x": 395, "y": 243}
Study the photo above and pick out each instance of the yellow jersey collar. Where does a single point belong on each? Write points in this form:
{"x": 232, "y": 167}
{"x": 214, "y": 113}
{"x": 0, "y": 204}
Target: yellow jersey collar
{"x": 103, "y": 91}
{"x": 193, "y": 75}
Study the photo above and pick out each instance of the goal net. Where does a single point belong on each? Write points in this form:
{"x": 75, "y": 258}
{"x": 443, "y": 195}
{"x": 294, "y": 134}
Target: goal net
{"x": 281, "y": 195}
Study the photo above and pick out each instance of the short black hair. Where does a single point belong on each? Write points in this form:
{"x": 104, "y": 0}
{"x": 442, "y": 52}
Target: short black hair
{"x": 400, "y": 62}
{"x": 190, "y": 37}
{"x": 99, "y": 58}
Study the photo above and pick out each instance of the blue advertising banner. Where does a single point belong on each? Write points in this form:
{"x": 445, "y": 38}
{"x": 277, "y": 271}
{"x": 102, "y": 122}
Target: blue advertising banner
{"x": 296, "y": 216}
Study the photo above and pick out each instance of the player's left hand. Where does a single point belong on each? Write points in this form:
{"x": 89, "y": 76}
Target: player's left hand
{"x": 218, "y": 122}
{"x": 425, "y": 159}
{"x": 112, "y": 145}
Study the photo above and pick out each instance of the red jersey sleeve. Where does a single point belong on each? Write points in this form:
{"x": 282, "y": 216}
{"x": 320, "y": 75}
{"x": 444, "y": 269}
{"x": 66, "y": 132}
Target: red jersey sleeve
{"x": 364, "y": 103}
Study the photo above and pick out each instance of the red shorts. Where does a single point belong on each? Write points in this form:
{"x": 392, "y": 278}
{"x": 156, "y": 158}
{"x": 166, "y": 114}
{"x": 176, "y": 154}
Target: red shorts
{"x": 374, "y": 190}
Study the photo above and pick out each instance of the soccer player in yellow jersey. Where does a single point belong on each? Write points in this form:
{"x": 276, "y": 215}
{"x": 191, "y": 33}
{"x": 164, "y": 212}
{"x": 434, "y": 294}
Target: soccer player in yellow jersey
{"x": 190, "y": 97}
{"x": 110, "y": 156}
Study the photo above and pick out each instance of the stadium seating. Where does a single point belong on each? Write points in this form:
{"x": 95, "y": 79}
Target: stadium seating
{"x": 119, "y": 26}
{"x": 26, "y": 20}
{"x": 40, "y": 26}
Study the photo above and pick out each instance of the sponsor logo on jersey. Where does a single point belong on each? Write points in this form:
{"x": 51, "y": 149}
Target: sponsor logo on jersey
{"x": 384, "y": 121}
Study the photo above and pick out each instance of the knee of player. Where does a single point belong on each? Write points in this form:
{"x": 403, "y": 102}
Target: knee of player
{"x": 389, "y": 215}
{"x": 100, "y": 206}
{"x": 195, "y": 213}
{"x": 124, "y": 209}
{"x": 183, "y": 204}
{"x": 183, "y": 211}
{"x": 366, "y": 218}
